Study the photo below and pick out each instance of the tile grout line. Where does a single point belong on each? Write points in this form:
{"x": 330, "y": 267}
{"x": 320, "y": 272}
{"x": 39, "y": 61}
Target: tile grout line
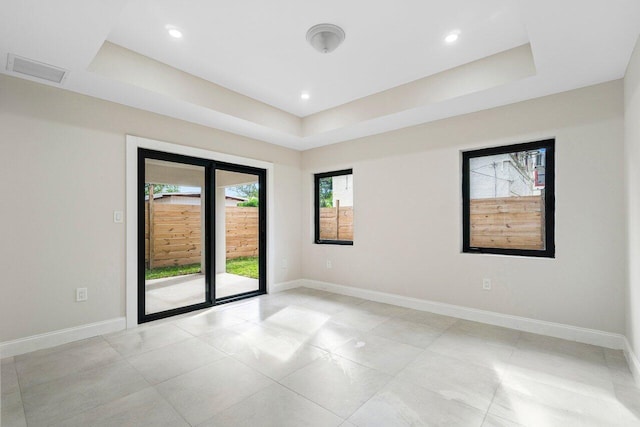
{"x": 24, "y": 411}
{"x": 20, "y": 391}
{"x": 436, "y": 336}
{"x": 152, "y": 349}
{"x": 495, "y": 392}
{"x": 312, "y": 401}
{"x": 392, "y": 377}
{"x": 112, "y": 400}
{"x": 234, "y": 404}
{"x": 153, "y": 386}
{"x": 502, "y": 377}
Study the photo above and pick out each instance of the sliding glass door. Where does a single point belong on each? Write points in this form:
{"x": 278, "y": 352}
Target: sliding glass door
{"x": 240, "y": 214}
{"x": 201, "y": 233}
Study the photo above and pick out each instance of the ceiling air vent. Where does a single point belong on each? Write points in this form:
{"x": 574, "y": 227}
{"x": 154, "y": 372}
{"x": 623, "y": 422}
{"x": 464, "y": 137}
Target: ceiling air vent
{"x": 36, "y": 69}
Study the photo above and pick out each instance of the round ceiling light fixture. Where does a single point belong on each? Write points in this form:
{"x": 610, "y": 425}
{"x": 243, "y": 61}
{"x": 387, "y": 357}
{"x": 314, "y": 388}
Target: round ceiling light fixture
{"x": 325, "y": 38}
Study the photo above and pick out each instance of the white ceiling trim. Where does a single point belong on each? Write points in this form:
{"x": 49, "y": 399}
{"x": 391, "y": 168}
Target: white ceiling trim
{"x": 240, "y": 68}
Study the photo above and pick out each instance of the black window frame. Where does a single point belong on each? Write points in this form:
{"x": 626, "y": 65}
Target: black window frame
{"x": 549, "y": 206}
{"x": 316, "y": 185}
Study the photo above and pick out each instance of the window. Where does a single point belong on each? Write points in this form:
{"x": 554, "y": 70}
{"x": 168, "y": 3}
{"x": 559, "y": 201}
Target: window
{"x": 508, "y": 200}
{"x": 334, "y": 207}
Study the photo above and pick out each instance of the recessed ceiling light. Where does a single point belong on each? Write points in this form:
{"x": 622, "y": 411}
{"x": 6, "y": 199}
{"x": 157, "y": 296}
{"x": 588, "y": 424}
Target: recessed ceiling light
{"x": 174, "y": 32}
{"x": 452, "y": 37}
{"x": 305, "y": 95}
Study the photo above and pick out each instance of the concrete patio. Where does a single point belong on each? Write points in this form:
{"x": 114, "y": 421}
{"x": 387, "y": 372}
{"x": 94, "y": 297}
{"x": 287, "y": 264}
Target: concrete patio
{"x": 181, "y": 291}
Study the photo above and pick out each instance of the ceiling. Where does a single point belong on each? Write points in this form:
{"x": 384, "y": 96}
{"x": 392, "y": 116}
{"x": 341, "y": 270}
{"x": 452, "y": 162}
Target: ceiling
{"x": 241, "y": 66}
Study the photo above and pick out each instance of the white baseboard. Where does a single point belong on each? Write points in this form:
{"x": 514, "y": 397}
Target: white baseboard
{"x": 632, "y": 361}
{"x": 62, "y": 336}
{"x": 284, "y": 286}
{"x": 558, "y": 330}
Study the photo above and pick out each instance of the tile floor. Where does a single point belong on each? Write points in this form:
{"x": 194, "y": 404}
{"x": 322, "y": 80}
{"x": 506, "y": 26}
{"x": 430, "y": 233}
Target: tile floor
{"x": 311, "y": 358}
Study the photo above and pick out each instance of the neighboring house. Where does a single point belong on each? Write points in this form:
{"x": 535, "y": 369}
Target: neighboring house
{"x": 233, "y": 200}
{"x": 190, "y": 199}
{"x": 506, "y": 175}
{"x": 176, "y": 198}
{"x": 342, "y": 190}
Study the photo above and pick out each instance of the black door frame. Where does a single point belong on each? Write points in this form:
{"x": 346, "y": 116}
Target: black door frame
{"x": 262, "y": 228}
{"x": 210, "y": 166}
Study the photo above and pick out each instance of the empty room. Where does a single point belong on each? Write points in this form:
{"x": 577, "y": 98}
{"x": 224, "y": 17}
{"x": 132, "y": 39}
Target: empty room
{"x": 286, "y": 213}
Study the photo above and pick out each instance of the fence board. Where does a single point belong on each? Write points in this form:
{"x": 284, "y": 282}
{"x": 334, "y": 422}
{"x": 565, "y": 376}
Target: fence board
{"x": 191, "y": 236}
{"x": 176, "y": 248}
{"x": 167, "y": 207}
{"x": 329, "y": 223}
{"x": 507, "y": 222}
{"x": 166, "y": 241}
{"x": 178, "y": 220}
{"x": 177, "y": 255}
{"x": 177, "y": 261}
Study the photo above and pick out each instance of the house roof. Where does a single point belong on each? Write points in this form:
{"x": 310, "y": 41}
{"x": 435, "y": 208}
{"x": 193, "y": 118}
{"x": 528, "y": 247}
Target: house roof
{"x": 162, "y": 195}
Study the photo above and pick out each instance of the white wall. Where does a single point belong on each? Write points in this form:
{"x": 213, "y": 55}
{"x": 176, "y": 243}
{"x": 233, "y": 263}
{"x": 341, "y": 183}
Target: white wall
{"x": 632, "y": 155}
{"x": 63, "y": 160}
{"x": 63, "y": 165}
{"x": 414, "y": 249}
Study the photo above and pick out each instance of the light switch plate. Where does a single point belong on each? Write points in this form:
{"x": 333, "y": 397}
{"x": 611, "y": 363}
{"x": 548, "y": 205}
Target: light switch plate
{"x": 118, "y": 216}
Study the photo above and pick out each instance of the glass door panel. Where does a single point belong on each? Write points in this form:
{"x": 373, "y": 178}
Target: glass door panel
{"x": 238, "y": 227}
{"x": 174, "y": 224}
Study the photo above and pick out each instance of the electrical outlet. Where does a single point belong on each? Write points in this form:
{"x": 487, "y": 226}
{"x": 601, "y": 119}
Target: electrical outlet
{"x": 486, "y": 284}
{"x": 81, "y": 294}
{"x": 285, "y": 264}
{"x": 328, "y": 263}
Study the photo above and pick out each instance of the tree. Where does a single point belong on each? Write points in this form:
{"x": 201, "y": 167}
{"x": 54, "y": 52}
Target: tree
{"x": 251, "y": 203}
{"x": 326, "y": 192}
{"x": 248, "y": 191}
{"x": 161, "y": 188}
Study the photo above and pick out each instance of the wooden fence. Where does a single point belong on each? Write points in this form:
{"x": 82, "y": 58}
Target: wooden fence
{"x": 336, "y": 226}
{"x": 242, "y": 232}
{"x": 507, "y": 222}
{"x": 177, "y": 234}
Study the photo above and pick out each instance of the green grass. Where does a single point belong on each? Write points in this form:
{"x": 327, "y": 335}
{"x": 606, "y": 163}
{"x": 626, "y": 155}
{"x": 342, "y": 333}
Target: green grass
{"x": 245, "y": 266}
{"x": 162, "y": 272}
